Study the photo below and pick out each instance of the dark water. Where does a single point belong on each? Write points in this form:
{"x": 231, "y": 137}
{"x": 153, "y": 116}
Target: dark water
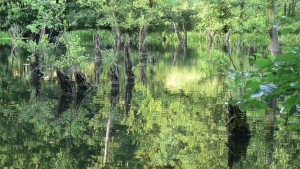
{"x": 173, "y": 116}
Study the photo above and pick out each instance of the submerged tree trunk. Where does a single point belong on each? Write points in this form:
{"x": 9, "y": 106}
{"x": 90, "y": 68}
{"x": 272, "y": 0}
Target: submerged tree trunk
{"x": 237, "y": 148}
{"x": 81, "y": 82}
{"x": 65, "y": 83}
{"x": 114, "y": 75}
{"x": 98, "y": 58}
{"x": 128, "y": 96}
{"x": 35, "y": 77}
{"x": 128, "y": 64}
{"x": 237, "y": 121}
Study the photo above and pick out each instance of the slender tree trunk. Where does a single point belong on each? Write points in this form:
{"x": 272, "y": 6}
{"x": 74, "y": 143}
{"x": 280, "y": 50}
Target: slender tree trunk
{"x": 117, "y": 40}
{"x": 209, "y": 37}
{"x": 180, "y": 39}
{"x": 294, "y": 3}
{"x": 42, "y": 34}
{"x": 14, "y": 46}
{"x": 185, "y": 34}
{"x": 98, "y": 58}
{"x": 289, "y": 10}
{"x": 105, "y": 157}
{"x": 284, "y": 9}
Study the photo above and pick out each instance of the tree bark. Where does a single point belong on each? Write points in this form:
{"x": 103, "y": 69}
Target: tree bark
{"x": 128, "y": 96}
{"x": 98, "y": 58}
{"x": 274, "y": 47}
{"x": 117, "y": 39}
{"x": 142, "y": 44}
{"x": 184, "y": 34}
{"x": 128, "y": 63}
{"x": 177, "y": 32}
{"x": 81, "y": 81}
{"x": 66, "y": 86}
{"x": 114, "y": 75}
{"x": 210, "y": 37}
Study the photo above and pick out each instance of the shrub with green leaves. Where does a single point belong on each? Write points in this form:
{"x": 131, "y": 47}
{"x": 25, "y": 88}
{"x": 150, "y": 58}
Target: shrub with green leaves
{"x": 74, "y": 57}
{"x": 275, "y": 77}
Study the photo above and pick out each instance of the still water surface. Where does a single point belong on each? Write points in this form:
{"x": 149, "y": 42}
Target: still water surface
{"x": 173, "y": 116}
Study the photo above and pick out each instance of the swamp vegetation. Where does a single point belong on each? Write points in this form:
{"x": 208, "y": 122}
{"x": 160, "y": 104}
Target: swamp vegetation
{"x": 149, "y": 84}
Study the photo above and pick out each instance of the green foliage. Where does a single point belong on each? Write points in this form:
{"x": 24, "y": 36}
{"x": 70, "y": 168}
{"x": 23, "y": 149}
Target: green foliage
{"x": 4, "y": 35}
{"x": 74, "y": 56}
{"x": 275, "y": 77}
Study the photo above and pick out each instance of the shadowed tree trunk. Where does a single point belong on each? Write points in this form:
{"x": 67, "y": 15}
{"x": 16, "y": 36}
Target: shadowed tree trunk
{"x": 81, "y": 82}
{"x": 237, "y": 121}
{"x": 128, "y": 65}
{"x": 237, "y": 148}
{"x": 35, "y": 77}
{"x": 128, "y": 96}
{"x": 114, "y": 75}
{"x": 65, "y": 83}
{"x": 98, "y": 58}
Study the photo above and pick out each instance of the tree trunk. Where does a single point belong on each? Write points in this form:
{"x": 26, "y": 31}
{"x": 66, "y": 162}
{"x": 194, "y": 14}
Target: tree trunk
{"x": 143, "y": 53}
{"x": 128, "y": 64}
{"x": 117, "y": 39}
{"x": 81, "y": 82}
{"x": 66, "y": 86}
{"x": 289, "y": 10}
{"x": 98, "y": 58}
{"x": 177, "y": 32}
{"x": 142, "y": 44}
{"x": 185, "y": 34}
{"x": 237, "y": 121}
{"x": 128, "y": 96}
{"x": 294, "y": 3}
{"x": 114, "y": 75}
{"x": 284, "y": 9}
{"x": 210, "y": 37}
{"x": 274, "y": 47}
{"x": 163, "y": 38}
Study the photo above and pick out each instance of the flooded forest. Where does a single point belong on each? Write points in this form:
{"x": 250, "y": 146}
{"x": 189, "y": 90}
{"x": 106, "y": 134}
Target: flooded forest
{"x": 185, "y": 84}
